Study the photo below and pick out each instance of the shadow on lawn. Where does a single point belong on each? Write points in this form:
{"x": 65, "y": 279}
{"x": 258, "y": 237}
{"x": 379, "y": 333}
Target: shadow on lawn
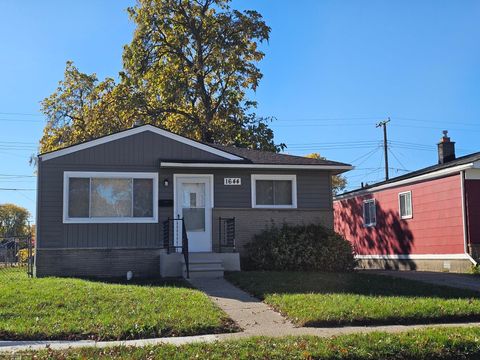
{"x": 151, "y": 282}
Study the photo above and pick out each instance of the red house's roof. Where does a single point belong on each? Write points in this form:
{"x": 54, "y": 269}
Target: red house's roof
{"x": 451, "y": 165}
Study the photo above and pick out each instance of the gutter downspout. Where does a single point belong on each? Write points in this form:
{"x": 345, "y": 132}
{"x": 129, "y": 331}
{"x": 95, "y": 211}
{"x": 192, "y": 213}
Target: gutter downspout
{"x": 464, "y": 219}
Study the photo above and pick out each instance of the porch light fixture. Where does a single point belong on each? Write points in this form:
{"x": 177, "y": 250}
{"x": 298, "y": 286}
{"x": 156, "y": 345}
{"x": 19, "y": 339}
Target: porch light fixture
{"x": 165, "y": 182}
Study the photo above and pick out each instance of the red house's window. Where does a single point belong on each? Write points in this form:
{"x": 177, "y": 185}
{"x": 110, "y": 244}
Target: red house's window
{"x": 405, "y": 204}
{"x": 369, "y": 213}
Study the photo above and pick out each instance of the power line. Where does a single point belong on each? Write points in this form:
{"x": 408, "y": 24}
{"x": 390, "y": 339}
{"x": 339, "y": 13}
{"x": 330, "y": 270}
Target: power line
{"x": 336, "y": 119}
{"x": 368, "y": 153}
{"x": 395, "y": 156}
{"x": 17, "y": 142}
{"x": 12, "y": 189}
{"x": 19, "y": 113}
{"x": 16, "y": 176}
{"x": 21, "y": 120}
{"x": 368, "y": 157}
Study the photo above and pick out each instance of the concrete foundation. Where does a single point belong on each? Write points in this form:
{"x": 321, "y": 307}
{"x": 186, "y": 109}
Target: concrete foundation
{"x": 442, "y": 265}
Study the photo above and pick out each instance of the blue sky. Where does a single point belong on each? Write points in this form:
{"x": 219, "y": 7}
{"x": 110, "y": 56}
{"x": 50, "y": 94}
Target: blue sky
{"x": 332, "y": 70}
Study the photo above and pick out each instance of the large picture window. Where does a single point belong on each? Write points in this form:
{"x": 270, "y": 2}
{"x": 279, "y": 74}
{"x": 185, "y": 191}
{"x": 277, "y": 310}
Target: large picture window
{"x": 274, "y": 191}
{"x": 94, "y": 197}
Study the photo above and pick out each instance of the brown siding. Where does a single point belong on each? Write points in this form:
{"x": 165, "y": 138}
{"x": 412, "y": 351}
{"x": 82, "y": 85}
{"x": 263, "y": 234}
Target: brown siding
{"x": 250, "y": 222}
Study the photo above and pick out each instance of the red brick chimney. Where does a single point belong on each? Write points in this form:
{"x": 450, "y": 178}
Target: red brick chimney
{"x": 446, "y": 149}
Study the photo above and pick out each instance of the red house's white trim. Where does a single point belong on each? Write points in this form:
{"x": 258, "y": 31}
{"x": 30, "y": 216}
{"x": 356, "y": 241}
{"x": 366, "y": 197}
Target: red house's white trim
{"x": 415, "y": 257}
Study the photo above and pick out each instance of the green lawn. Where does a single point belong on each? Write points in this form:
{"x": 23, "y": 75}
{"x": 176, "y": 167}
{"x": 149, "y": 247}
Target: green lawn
{"x": 332, "y": 299}
{"x": 431, "y": 344}
{"x": 56, "y": 308}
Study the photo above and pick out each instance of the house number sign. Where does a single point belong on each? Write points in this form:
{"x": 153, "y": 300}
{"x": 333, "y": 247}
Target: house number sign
{"x": 232, "y": 181}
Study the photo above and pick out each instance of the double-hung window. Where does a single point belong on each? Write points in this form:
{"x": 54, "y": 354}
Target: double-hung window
{"x": 106, "y": 197}
{"x": 405, "y": 205}
{"x": 369, "y": 213}
{"x": 274, "y": 191}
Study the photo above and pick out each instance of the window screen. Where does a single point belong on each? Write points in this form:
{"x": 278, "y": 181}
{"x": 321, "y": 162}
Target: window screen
{"x": 273, "y": 192}
{"x": 369, "y": 213}
{"x": 142, "y": 197}
{"x": 405, "y": 200}
{"x": 79, "y": 192}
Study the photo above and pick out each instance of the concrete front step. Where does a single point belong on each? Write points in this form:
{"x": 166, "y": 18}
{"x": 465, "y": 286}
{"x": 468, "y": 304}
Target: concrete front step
{"x": 201, "y": 262}
{"x": 173, "y": 264}
{"x": 204, "y": 273}
{"x": 203, "y": 267}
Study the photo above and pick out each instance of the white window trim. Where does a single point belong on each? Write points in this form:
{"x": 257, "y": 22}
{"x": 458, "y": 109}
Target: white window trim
{"x": 292, "y": 178}
{"x": 109, "y": 220}
{"x": 372, "y": 224}
{"x": 400, "y": 207}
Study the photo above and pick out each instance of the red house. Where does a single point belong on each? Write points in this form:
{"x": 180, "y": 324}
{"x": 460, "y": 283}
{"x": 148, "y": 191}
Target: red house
{"x": 425, "y": 220}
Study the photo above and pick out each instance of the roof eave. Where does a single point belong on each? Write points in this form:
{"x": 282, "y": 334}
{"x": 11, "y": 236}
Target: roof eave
{"x": 333, "y": 168}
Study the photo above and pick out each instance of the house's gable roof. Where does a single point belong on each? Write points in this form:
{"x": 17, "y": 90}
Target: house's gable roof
{"x": 421, "y": 174}
{"x": 232, "y": 156}
{"x": 133, "y": 131}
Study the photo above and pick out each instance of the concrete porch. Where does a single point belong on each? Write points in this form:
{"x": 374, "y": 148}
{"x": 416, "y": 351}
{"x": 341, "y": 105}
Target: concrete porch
{"x": 202, "y": 264}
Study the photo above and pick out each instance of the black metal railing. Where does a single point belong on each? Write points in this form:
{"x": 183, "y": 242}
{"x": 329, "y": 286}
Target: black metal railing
{"x": 226, "y": 233}
{"x": 173, "y": 230}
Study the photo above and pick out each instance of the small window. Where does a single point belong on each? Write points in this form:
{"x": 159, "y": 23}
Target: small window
{"x": 405, "y": 205}
{"x": 110, "y": 197}
{"x": 369, "y": 213}
{"x": 274, "y": 191}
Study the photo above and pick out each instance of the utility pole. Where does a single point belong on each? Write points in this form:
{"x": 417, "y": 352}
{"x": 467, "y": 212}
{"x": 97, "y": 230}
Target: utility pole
{"x": 385, "y": 143}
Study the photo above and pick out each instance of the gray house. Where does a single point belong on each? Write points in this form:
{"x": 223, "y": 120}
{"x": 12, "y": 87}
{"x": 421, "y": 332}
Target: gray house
{"x": 140, "y": 200}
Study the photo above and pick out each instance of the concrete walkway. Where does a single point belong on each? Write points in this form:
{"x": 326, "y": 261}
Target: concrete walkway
{"x": 253, "y": 316}
{"x": 462, "y": 281}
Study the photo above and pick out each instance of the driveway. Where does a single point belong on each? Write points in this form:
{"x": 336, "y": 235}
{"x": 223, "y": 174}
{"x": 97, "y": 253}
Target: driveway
{"x": 463, "y": 281}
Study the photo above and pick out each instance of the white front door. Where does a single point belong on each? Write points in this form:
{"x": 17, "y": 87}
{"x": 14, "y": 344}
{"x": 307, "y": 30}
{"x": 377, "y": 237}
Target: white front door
{"x": 194, "y": 202}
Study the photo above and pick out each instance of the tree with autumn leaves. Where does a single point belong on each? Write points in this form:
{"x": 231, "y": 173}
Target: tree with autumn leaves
{"x": 188, "y": 69}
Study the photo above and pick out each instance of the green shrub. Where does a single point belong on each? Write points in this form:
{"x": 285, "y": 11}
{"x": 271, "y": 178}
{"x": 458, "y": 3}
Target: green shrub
{"x": 299, "y": 247}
